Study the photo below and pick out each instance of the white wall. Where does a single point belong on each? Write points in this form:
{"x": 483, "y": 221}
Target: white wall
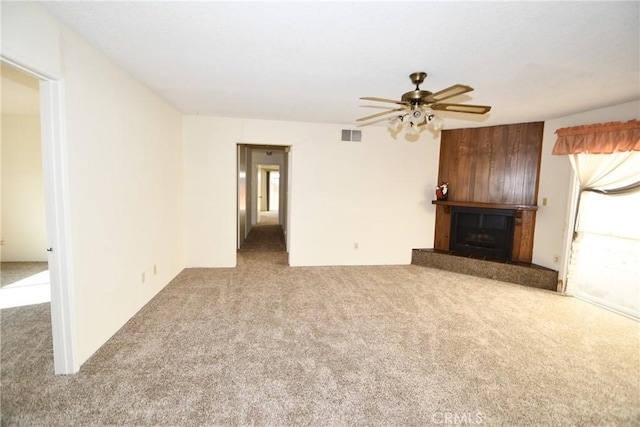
{"x": 376, "y": 193}
{"x": 23, "y": 216}
{"x": 31, "y": 37}
{"x": 556, "y": 184}
{"x": 209, "y": 166}
{"x": 124, "y": 162}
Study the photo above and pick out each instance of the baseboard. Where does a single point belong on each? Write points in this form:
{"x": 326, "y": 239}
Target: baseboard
{"x": 608, "y": 306}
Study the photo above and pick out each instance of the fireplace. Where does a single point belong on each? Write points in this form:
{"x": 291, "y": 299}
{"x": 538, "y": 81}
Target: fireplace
{"x": 482, "y": 232}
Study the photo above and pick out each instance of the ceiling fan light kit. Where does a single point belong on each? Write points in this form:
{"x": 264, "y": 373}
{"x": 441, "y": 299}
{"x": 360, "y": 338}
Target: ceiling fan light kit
{"x": 417, "y": 107}
{"x": 412, "y": 121}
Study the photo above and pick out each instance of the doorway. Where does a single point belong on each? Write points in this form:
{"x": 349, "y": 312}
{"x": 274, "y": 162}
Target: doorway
{"x": 56, "y": 206}
{"x": 263, "y": 191}
{"x": 24, "y": 269}
{"x": 268, "y": 194}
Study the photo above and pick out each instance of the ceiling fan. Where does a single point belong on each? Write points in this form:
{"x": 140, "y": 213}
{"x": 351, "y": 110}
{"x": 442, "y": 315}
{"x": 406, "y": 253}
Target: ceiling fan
{"x": 417, "y": 106}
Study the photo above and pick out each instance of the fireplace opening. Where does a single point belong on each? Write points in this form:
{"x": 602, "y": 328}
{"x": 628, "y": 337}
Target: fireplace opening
{"x": 482, "y": 232}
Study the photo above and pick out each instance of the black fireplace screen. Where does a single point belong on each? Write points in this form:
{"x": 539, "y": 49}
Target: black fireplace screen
{"x": 482, "y": 232}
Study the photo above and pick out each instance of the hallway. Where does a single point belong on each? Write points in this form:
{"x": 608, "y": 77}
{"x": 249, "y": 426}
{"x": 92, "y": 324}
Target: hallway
{"x": 266, "y": 236}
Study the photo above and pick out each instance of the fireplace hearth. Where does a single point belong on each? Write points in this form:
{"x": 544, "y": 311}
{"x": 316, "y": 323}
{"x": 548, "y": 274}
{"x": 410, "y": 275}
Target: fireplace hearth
{"x": 482, "y": 232}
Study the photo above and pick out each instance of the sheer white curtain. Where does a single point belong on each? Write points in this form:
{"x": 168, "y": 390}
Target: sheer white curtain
{"x": 607, "y": 172}
{"x": 604, "y": 266}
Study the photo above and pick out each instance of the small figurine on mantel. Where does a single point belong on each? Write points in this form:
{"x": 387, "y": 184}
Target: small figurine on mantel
{"x": 442, "y": 191}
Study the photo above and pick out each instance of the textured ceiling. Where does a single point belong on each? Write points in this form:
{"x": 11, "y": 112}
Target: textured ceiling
{"x": 308, "y": 61}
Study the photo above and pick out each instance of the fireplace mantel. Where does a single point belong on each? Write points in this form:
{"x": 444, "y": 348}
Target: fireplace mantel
{"x": 486, "y": 205}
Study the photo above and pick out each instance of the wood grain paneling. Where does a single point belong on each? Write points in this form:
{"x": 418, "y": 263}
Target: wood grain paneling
{"x": 482, "y": 167}
{"x": 495, "y": 165}
{"x": 526, "y": 236}
{"x": 443, "y": 228}
{"x": 498, "y": 160}
{"x": 498, "y": 164}
{"x": 532, "y": 166}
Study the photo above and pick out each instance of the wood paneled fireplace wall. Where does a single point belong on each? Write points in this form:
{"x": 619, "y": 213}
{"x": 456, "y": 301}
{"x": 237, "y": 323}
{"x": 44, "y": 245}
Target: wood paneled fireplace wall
{"x": 494, "y": 167}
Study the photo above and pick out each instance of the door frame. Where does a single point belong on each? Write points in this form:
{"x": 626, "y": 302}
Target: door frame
{"x": 57, "y": 208}
{"x": 252, "y": 205}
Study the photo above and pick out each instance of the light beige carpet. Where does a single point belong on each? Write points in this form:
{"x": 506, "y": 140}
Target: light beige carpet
{"x": 265, "y": 344}
{"x": 12, "y": 272}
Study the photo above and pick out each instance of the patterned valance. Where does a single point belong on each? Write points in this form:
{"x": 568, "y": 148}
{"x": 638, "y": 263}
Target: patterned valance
{"x": 603, "y": 138}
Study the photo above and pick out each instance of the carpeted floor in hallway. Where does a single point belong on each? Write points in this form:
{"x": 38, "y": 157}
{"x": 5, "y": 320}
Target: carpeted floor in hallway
{"x": 266, "y": 236}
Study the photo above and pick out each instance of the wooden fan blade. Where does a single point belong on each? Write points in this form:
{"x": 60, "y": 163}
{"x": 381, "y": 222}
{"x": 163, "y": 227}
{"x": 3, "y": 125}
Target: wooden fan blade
{"x": 461, "y": 108}
{"x": 373, "y": 98}
{"x": 373, "y": 116}
{"x": 450, "y": 92}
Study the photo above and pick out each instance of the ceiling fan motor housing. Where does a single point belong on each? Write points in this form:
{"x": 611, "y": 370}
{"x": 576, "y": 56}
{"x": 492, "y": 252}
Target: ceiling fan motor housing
{"x": 417, "y": 78}
{"x": 417, "y": 97}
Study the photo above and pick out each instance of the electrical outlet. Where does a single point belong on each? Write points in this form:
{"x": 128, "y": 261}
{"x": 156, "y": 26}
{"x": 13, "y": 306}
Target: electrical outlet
{"x": 143, "y": 277}
{"x": 155, "y": 269}
{"x": 556, "y": 259}
{"x": 355, "y": 246}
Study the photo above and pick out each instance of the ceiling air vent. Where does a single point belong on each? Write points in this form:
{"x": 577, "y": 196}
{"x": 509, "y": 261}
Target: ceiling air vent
{"x": 351, "y": 135}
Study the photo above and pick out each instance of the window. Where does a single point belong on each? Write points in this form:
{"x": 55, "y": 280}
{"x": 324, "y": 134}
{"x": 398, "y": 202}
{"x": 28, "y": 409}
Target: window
{"x": 605, "y": 253}
{"x": 605, "y": 258}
